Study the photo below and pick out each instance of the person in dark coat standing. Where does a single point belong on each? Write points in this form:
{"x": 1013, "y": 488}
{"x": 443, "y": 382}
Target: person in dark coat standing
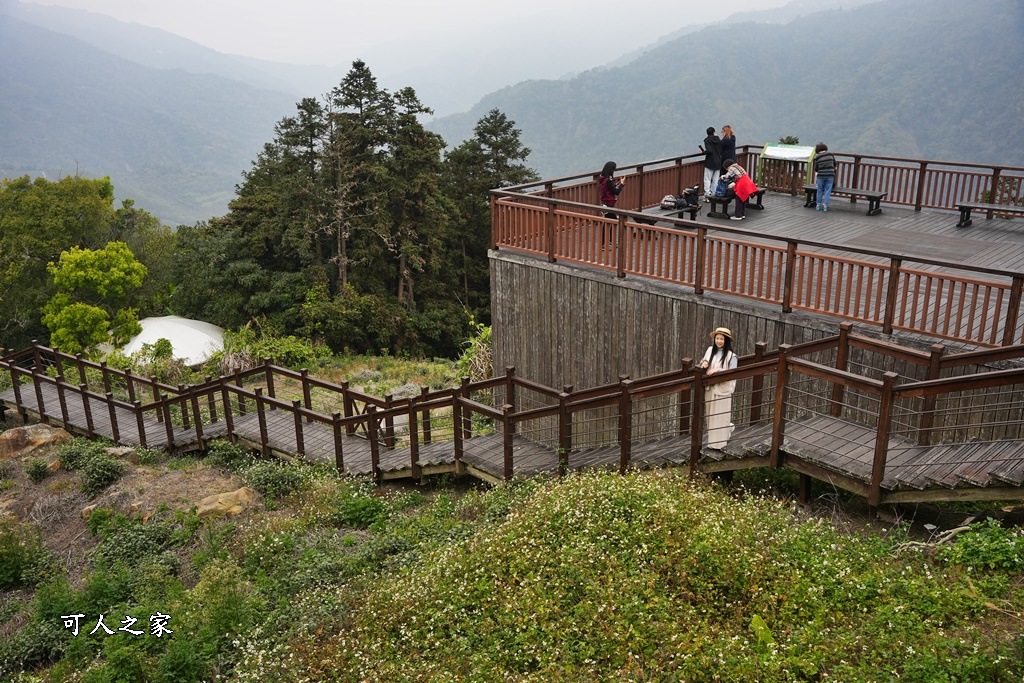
{"x": 728, "y": 143}
{"x": 712, "y": 161}
{"x": 609, "y": 187}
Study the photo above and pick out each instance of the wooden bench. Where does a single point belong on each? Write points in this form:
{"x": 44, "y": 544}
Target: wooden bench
{"x": 967, "y": 207}
{"x": 874, "y": 197}
{"x": 757, "y": 198}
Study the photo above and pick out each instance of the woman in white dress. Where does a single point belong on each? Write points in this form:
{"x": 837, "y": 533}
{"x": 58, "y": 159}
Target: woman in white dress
{"x": 718, "y": 397}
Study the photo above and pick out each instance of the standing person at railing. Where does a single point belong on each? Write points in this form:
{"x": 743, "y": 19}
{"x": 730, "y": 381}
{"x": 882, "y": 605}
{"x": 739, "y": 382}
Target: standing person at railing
{"x": 712, "y": 149}
{"x": 728, "y": 143}
{"x": 824, "y": 174}
{"x": 610, "y": 187}
{"x": 718, "y": 397}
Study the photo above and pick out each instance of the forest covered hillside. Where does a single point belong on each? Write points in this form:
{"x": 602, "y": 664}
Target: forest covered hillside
{"x": 175, "y": 142}
{"x": 935, "y": 79}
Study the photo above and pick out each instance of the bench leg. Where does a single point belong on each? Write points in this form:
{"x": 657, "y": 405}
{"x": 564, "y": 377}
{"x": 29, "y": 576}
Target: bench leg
{"x": 812, "y": 198}
{"x": 965, "y": 218}
{"x": 715, "y": 213}
{"x": 874, "y": 206}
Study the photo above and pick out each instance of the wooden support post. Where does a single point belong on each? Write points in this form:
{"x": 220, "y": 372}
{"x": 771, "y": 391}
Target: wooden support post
{"x": 339, "y": 459}
{"x": 467, "y": 416}
{"x": 300, "y": 446}
{"x": 625, "y": 424}
{"x": 105, "y": 375}
{"x": 241, "y": 397}
{"x": 261, "y": 417}
{"x": 1013, "y": 312}
{"x": 510, "y": 391}
{"x": 389, "y": 422}
{"x": 620, "y": 247}
{"x": 140, "y": 423}
{"x": 197, "y": 418}
{"x": 698, "y": 266}
{"x": 36, "y": 375}
{"x": 890, "y": 295}
{"x": 87, "y": 407}
{"x": 112, "y": 411}
{"x": 549, "y": 231}
{"x": 921, "y": 182}
{"x": 165, "y": 410}
{"x": 805, "y": 489}
{"x": 564, "y": 429}
{"x": 696, "y": 418}
{"x": 182, "y": 402}
{"x": 414, "y": 441}
{"x": 457, "y": 430}
{"x": 16, "y": 386}
{"x": 924, "y": 432}
{"x": 371, "y": 432}
{"x": 349, "y": 407}
{"x": 757, "y": 385}
{"x": 788, "y": 277}
{"x": 881, "y": 440}
{"x": 81, "y": 369}
{"x": 781, "y": 397}
{"x": 425, "y": 415}
{"x": 307, "y": 394}
{"x": 842, "y": 362}
{"x": 63, "y": 401}
{"x": 156, "y": 397}
{"x": 211, "y": 400}
{"x": 506, "y": 422}
{"x": 268, "y": 374}
{"x": 229, "y": 418}
{"x": 129, "y": 384}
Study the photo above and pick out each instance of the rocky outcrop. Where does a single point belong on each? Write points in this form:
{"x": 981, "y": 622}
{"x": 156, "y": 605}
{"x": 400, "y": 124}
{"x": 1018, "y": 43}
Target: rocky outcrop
{"x": 226, "y": 504}
{"x": 22, "y": 442}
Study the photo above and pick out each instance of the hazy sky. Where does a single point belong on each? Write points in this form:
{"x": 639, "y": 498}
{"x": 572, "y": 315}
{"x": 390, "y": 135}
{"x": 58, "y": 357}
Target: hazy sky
{"x": 333, "y": 31}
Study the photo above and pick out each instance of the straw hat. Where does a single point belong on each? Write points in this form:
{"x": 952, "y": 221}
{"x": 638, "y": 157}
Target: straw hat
{"x": 725, "y": 331}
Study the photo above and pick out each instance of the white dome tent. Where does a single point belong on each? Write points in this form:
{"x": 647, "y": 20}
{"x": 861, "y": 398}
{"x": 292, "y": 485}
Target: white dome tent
{"x": 193, "y": 340}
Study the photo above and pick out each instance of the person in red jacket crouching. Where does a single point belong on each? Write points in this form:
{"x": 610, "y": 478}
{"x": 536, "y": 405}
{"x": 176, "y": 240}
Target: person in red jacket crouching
{"x": 740, "y": 183}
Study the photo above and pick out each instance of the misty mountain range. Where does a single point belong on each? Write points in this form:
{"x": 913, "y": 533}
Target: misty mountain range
{"x": 175, "y": 124}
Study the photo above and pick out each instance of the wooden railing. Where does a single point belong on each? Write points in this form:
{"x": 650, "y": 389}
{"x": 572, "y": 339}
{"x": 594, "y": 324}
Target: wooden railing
{"x": 774, "y": 388}
{"x": 970, "y": 304}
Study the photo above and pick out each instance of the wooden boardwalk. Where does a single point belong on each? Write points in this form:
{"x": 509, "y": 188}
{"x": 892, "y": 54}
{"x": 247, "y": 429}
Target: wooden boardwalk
{"x": 829, "y": 449}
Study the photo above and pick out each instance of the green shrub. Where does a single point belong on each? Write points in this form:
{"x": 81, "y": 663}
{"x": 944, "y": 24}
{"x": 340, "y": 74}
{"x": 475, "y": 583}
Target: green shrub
{"x": 74, "y": 453}
{"x": 359, "y": 511}
{"x": 988, "y": 545}
{"x": 100, "y": 471}
{"x": 274, "y": 479}
{"x": 37, "y": 470}
{"x": 228, "y": 455}
{"x": 20, "y": 548}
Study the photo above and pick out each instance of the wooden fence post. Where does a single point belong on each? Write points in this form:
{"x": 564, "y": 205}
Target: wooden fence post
{"x": 140, "y": 423}
{"x": 339, "y": 460}
{"x": 457, "y": 430}
{"x": 371, "y": 432}
{"x": 1013, "y": 312}
{"x": 389, "y": 423}
{"x": 165, "y": 410}
{"x": 881, "y": 440}
{"x": 84, "y": 388}
{"x": 467, "y": 416}
{"x": 685, "y": 402}
{"x": 625, "y": 425}
{"x": 842, "y": 361}
{"x": 788, "y": 277}
{"x": 414, "y": 440}
{"x": 300, "y": 446}
{"x": 268, "y": 375}
{"x": 698, "y": 267}
{"x": 757, "y": 385}
{"x": 425, "y": 415}
{"x": 620, "y": 247}
{"x": 924, "y": 431}
{"x": 506, "y": 422}
{"x": 349, "y": 407}
{"x": 229, "y": 418}
{"x": 922, "y": 174}
{"x": 112, "y": 411}
{"x": 63, "y": 401}
{"x": 890, "y": 295}
{"x": 307, "y": 395}
{"x": 262, "y": 418}
{"x": 564, "y": 429}
{"x": 197, "y": 418}
{"x": 550, "y": 232}
{"x": 696, "y": 418}
{"x": 510, "y": 391}
{"x": 781, "y": 398}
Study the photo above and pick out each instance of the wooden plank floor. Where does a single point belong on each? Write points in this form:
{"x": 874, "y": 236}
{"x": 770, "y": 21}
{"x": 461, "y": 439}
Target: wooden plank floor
{"x": 834, "y": 445}
{"x": 898, "y": 230}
